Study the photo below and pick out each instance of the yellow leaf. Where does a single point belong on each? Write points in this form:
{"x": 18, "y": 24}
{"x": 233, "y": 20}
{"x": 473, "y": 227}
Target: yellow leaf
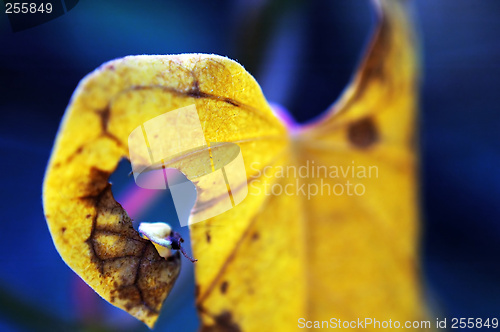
{"x": 90, "y": 229}
{"x": 277, "y": 256}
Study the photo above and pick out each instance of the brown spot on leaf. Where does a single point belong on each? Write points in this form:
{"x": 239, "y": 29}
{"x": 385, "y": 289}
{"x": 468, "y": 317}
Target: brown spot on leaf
{"x": 231, "y": 102}
{"x": 97, "y": 185}
{"x": 373, "y": 67}
{"x": 126, "y": 260}
{"x": 104, "y": 116}
{"x": 63, "y": 230}
{"x": 223, "y": 287}
{"x": 72, "y": 156}
{"x": 129, "y": 293}
{"x": 255, "y": 236}
{"x": 195, "y": 91}
{"x": 362, "y": 133}
{"x": 223, "y": 323}
{"x": 208, "y": 237}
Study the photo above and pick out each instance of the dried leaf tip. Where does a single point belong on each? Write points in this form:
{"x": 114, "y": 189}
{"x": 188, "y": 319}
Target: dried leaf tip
{"x": 162, "y": 234}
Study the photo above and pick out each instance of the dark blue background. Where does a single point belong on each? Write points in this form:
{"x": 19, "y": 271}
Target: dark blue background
{"x": 303, "y": 54}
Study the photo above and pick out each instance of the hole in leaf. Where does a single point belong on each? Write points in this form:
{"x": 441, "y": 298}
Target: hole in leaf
{"x": 149, "y": 204}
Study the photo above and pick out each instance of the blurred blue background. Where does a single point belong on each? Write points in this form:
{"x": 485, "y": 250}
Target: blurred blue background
{"x": 303, "y": 54}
